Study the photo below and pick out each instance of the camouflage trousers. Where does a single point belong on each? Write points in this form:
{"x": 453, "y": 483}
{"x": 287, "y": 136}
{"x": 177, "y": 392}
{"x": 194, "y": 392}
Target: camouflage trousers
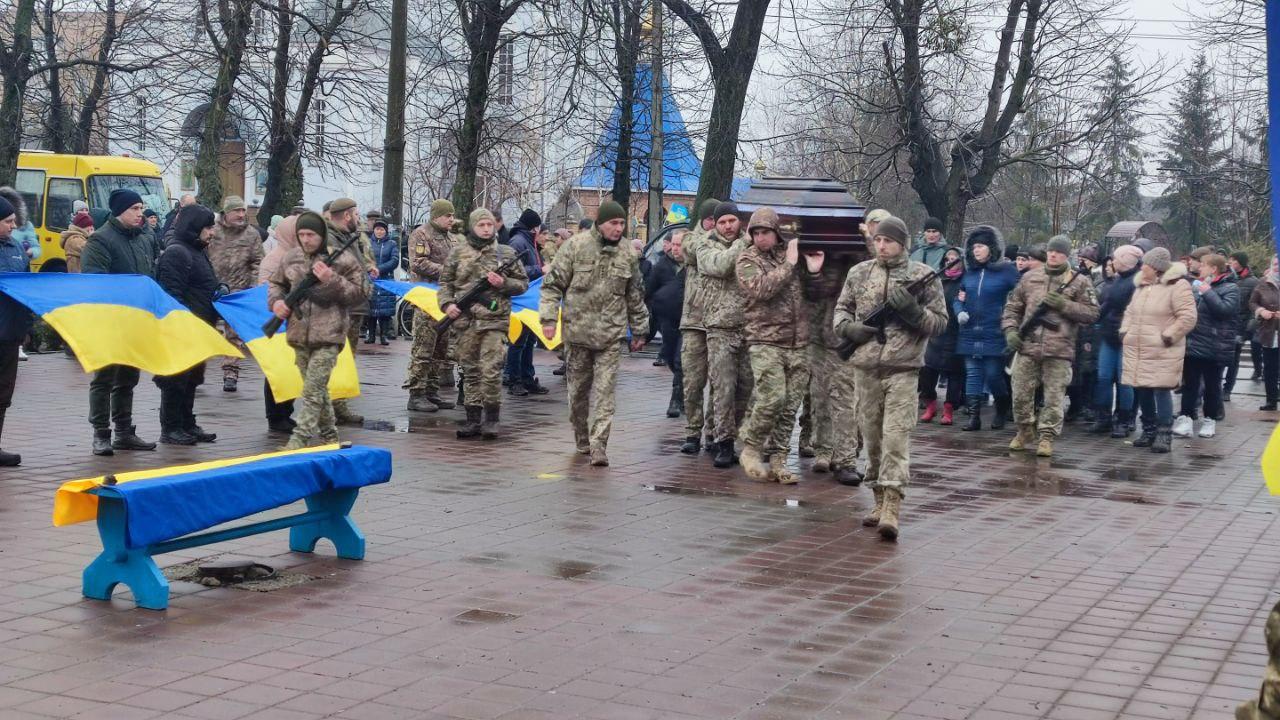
{"x": 428, "y": 357}
{"x": 1054, "y": 374}
{"x": 780, "y": 377}
{"x": 842, "y": 398}
{"x": 816, "y": 422}
{"x": 231, "y": 365}
{"x": 315, "y": 418}
{"x": 887, "y": 413}
{"x": 593, "y": 377}
{"x": 729, "y": 373}
{"x": 693, "y": 363}
{"x": 481, "y": 355}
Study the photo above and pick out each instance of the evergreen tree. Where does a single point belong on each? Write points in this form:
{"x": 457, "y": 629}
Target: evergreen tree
{"x": 1192, "y": 161}
{"x": 1113, "y": 188}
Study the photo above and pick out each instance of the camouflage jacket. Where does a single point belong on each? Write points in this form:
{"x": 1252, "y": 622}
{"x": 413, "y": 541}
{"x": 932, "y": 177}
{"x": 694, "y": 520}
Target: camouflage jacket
{"x": 235, "y": 254}
{"x": 775, "y": 312}
{"x": 428, "y": 249}
{"x": 1081, "y": 308}
{"x": 468, "y": 265}
{"x": 867, "y": 287}
{"x": 602, "y": 290}
{"x": 361, "y": 251}
{"x": 693, "y": 315}
{"x": 821, "y": 292}
{"x": 716, "y": 259}
{"x": 324, "y": 317}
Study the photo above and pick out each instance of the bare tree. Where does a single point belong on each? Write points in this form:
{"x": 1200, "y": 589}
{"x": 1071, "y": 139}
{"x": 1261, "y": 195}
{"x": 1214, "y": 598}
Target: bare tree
{"x": 233, "y": 22}
{"x": 16, "y": 51}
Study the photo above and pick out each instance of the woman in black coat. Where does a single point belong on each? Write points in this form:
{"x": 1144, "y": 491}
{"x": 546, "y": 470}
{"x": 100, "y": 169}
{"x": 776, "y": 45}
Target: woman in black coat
{"x": 184, "y": 271}
{"x": 940, "y": 358}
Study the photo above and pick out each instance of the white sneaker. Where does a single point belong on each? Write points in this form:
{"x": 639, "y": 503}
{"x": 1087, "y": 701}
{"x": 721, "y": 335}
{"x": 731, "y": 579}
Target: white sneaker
{"x": 22, "y": 354}
{"x": 1183, "y": 426}
{"x": 1208, "y": 429}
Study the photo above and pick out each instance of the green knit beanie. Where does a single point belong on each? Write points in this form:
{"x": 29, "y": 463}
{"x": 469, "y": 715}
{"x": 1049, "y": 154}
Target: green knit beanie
{"x": 610, "y": 210}
{"x": 480, "y": 214}
{"x": 313, "y": 222}
{"x": 708, "y": 208}
{"x": 440, "y": 208}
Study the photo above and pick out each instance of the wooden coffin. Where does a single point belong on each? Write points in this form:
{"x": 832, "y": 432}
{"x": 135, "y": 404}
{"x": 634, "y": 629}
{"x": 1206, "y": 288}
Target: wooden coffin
{"x": 817, "y": 210}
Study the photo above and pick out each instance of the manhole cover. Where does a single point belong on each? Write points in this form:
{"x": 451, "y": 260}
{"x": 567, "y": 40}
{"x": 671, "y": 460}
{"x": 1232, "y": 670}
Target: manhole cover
{"x": 190, "y": 572}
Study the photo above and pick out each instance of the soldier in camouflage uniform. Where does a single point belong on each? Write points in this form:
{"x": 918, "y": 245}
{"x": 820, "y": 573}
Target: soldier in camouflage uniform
{"x": 886, "y": 373}
{"x": 236, "y": 252}
{"x": 603, "y": 295}
{"x": 729, "y": 368}
{"x": 429, "y": 246}
{"x": 344, "y": 220}
{"x": 831, "y": 398}
{"x": 777, "y": 335}
{"x": 693, "y": 335}
{"x": 1045, "y": 355}
{"x": 482, "y": 327}
{"x": 318, "y": 327}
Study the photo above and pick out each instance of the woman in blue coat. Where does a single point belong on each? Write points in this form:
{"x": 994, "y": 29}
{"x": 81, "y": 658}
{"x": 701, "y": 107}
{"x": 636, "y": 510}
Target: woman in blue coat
{"x": 382, "y": 306}
{"x": 988, "y": 280}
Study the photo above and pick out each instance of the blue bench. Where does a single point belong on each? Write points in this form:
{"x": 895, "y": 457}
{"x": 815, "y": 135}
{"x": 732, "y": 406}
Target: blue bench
{"x": 147, "y": 517}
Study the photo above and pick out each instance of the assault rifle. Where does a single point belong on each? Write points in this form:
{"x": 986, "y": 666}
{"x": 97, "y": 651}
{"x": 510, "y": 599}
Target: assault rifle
{"x": 880, "y": 315}
{"x": 299, "y": 292}
{"x": 1039, "y": 316}
{"x": 478, "y": 293}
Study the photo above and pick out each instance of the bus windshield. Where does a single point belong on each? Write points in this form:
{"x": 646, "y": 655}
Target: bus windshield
{"x": 151, "y": 190}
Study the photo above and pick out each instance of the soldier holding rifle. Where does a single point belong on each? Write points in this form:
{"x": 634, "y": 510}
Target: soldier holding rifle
{"x": 1040, "y": 323}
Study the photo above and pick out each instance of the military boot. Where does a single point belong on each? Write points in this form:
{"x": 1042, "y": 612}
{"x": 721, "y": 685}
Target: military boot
{"x": 471, "y": 426}
{"x": 888, "y": 525}
{"x": 822, "y": 463}
{"x": 724, "y": 454}
{"x": 127, "y": 439}
{"x": 8, "y": 459}
{"x": 489, "y": 428}
{"x": 848, "y": 475}
{"x": 102, "y": 442}
{"x": 676, "y": 406}
{"x": 974, "y": 404}
{"x": 200, "y": 435}
{"x": 1003, "y": 407}
{"x": 177, "y": 437}
{"x": 440, "y": 402}
{"x": 599, "y": 458}
{"x": 1026, "y": 435}
{"x": 692, "y": 445}
{"x": 1045, "y": 448}
{"x": 446, "y": 377}
{"x": 1163, "y": 441}
{"x": 778, "y": 470}
{"x": 342, "y": 414}
{"x": 419, "y": 402}
{"x": 753, "y": 464}
{"x": 873, "y": 518}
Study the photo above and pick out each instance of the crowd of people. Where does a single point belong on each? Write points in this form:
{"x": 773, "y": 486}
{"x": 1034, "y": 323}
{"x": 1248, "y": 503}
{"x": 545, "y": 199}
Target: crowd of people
{"x": 759, "y": 335}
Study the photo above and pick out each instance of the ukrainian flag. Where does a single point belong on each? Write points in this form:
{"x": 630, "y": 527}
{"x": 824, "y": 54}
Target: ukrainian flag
{"x": 524, "y": 307}
{"x": 118, "y": 320}
{"x": 246, "y": 312}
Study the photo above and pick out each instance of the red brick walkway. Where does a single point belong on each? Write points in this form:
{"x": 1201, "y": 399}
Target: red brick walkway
{"x": 511, "y": 580}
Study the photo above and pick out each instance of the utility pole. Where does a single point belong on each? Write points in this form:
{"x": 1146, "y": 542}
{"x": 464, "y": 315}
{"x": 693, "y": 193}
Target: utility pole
{"x": 393, "y": 147}
{"x": 656, "y": 211}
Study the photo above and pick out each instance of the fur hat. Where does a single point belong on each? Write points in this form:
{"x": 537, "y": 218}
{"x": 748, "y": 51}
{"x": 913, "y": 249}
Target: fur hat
{"x": 1158, "y": 259}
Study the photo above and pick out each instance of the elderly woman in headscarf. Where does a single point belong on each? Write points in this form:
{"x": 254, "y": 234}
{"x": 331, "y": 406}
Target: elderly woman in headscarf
{"x": 279, "y": 415}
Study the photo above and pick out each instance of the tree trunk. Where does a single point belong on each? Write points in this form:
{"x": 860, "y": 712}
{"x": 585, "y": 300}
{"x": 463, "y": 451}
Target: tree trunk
{"x": 482, "y": 41}
{"x": 15, "y": 64}
{"x": 236, "y": 28}
{"x": 58, "y": 131}
{"x": 626, "y": 49}
{"x": 89, "y": 110}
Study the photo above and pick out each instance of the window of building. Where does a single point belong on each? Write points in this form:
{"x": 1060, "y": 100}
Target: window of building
{"x": 319, "y": 111}
{"x": 506, "y": 69}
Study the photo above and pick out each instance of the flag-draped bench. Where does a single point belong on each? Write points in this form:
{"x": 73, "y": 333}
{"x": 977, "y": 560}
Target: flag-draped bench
{"x": 149, "y": 512}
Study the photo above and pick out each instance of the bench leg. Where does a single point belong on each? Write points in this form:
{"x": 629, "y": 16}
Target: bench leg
{"x": 338, "y": 526}
{"x": 119, "y": 564}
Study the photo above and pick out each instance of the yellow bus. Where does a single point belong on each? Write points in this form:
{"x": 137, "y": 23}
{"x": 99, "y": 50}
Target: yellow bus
{"x": 51, "y": 183}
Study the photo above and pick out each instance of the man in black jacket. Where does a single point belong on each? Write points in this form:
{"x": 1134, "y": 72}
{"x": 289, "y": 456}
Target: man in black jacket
{"x": 1113, "y": 298}
{"x": 520, "y": 375}
{"x": 664, "y": 294}
{"x": 120, "y": 246}
{"x": 185, "y": 272}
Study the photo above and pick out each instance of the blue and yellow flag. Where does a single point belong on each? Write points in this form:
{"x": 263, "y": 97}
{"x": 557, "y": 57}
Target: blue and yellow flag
{"x": 118, "y": 320}
{"x": 246, "y": 312}
{"x": 524, "y": 307}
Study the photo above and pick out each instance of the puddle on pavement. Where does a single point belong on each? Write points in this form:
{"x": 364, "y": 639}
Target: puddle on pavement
{"x": 485, "y": 617}
{"x": 682, "y": 490}
{"x": 570, "y": 569}
{"x": 416, "y": 423}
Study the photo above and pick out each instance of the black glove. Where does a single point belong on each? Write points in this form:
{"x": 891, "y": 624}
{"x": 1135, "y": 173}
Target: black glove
{"x": 221, "y": 291}
{"x": 906, "y": 306}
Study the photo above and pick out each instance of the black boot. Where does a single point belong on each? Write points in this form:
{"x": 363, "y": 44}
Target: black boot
{"x": 1102, "y": 423}
{"x": 676, "y": 406}
{"x": 471, "y": 427}
{"x": 1163, "y": 441}
{"x": 692, "y": 445}
{"x": 974, "y": 404}
{"x": 8, "y": 459}
{"x": 1147, "y": 437}
{"x": 489, "y": 428}
{"x": 1003, "y": 406}
{"x": 176, "y": 437}
{"x": 848, "y": 476}
{"x": 127, "y": 439}
{"x": 1122, "y": 426}
{"x": 102, "y": 442}
{"x": 200, "y": 435}
{"x": 724, "y": 454}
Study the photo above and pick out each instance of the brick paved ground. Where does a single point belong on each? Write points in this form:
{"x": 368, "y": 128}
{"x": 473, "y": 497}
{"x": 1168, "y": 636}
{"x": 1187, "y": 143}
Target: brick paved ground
{"x": 512, "y": 580}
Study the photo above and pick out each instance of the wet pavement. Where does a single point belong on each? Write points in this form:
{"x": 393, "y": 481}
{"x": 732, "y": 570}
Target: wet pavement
{"x": 509, "y": 579}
